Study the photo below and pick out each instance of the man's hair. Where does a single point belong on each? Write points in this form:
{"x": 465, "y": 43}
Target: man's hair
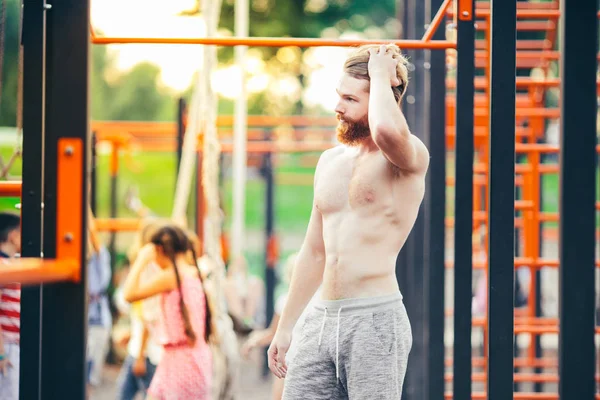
{"x": 8, "y": 222}
{"x": 357, "y": 66}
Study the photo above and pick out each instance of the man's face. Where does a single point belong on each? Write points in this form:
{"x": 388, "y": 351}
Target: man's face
{"x": 352, "y": 110}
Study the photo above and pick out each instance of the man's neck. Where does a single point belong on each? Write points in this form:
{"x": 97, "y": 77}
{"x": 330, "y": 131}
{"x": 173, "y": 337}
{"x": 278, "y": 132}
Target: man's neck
{"x": 367, "y": 145}
{"x": 8, "y": 249}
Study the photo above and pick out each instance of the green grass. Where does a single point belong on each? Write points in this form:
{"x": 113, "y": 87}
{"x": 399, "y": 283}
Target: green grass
{"x": 153, "y": 174}
{"x": 8, "y": 203}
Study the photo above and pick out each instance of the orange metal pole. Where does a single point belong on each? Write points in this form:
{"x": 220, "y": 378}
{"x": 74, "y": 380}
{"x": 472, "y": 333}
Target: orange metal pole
{"x": 31, "y": 271}
{"x": 10, "y": 188}
{"x": 277, "y": 42}
{"x": 69, "y": 204}
{"x": 481, "y": 12}
{"x": 519, "y": 262}
{"x": 551, "y": 5}
{"x": 546, "y": 362}
{"x": 517, "y": 396}
{"x": 518, "y": 377}
{"x": 521, "y": 81}
{"x": 117, "y": 224}
{"x": 69, "y": 214}
{"x": 437, "y": 20}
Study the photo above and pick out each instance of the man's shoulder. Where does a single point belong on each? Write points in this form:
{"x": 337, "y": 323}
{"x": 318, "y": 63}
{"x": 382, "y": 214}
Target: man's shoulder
{"x": 331, "y": 153}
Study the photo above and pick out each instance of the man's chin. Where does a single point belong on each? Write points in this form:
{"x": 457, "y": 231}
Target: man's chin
{"x": 350, "y": 137}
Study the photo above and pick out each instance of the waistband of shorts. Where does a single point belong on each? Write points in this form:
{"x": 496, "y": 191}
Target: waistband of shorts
{"x": 359, "y": 305}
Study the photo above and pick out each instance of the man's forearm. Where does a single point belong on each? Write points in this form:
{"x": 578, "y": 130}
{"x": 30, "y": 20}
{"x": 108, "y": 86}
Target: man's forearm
{"x": 385, "y": 117}
{"x": 306, "y": 278}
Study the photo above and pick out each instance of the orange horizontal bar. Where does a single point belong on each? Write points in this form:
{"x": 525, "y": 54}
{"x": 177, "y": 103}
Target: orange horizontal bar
{"x": 32, "y": 271}
{"x": 521, "y": 13}
{"x": 551, "y": 5}
{"x": 521, "y": 82}
{"x": 10, "y": 188}
{"x": 522, "y": 25}
{"x": 526, "y": 55}
{"x": 519, "y": 262}
{"x": 518, "y": 377}
{"x": 277, "y": 42}
{"x": 117, "y": 224}
{"x": 222, "y": 120}
{"x": 544, "y": 362}
{"x": 522, "y": 44}
{"x": 275, "y": 147}
{"x": 516, "y": 396}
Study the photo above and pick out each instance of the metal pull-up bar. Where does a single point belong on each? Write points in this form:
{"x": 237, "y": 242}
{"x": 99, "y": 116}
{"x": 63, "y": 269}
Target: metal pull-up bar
{"x": 276, "y": 42}
{"x": 425, "y": 43}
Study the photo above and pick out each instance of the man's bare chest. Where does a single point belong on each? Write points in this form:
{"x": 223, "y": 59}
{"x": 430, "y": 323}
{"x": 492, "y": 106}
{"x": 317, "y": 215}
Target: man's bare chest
{"x": 353, "y": 182}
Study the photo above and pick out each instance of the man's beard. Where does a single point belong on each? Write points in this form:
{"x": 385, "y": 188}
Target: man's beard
{"x": 352, "y": 133}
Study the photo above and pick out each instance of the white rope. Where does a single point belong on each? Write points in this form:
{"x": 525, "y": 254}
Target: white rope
{"x": 240, "y": 135}
{"x": 211, "y": 146}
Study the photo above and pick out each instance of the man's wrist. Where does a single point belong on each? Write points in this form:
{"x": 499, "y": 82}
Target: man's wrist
{"x": 285, "y": 327}
{"x": 377, "y": 75}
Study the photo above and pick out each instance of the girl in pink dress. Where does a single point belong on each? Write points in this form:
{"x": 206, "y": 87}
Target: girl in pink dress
{"x": 185, "y": 326}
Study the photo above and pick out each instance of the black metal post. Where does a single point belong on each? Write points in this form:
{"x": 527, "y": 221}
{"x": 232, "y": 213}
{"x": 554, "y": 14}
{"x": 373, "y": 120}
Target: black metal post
{"x": 270, "y": 261}
{"x": 94, "y": 175}
{"x": 63, "y": 340}
{"x": 180, "y": 132}
{"x": 412, "y": 254}
{"x": 578, "y": 49}
{"x": 501, "y": 200}
{"x": 34, "y": 89}
{"x": 463, "y": 206}
{"x": 114, "y": 208}
{"x": 435, "y": 207}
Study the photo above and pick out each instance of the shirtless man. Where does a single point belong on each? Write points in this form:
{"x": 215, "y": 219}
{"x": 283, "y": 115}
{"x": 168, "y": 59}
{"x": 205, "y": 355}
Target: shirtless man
{"x": 354, "y": 343}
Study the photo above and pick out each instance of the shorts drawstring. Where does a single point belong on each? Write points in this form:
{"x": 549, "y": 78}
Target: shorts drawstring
{"x": 322, "y": 325}
{"x": 337, "y": 339}
{"x": 337, "y": 346}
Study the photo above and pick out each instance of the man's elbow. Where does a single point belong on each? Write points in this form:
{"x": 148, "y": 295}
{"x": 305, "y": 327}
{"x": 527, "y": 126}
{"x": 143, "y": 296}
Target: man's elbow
{"x": 387, "y": 136}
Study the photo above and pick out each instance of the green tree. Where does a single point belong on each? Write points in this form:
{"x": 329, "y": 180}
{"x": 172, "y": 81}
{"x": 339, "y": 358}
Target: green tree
{"x": 10, "y": 62}
{"x": 136, "y": 96}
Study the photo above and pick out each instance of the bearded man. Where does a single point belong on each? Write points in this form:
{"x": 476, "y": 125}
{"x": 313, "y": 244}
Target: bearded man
{"x": 355, "y": 340}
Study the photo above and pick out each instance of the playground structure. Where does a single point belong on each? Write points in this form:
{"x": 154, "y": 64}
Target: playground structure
{"x": 483, "y": 193}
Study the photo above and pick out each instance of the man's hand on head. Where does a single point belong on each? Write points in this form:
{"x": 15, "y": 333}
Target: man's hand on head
{"x": 383, "y": 63}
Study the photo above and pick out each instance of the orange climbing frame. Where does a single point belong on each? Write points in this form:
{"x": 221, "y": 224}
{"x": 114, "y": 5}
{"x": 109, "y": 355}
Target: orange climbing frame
{"x": 69, "y": 214}
{"x": 10, "y": 188}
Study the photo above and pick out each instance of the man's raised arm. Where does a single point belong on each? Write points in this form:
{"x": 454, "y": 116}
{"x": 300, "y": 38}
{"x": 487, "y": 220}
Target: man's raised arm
{"x": 388, "y": 125}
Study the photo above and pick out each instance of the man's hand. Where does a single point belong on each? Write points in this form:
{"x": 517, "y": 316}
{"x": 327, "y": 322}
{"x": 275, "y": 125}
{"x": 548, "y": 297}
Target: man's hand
{"x": 139, "y": 367}
{"x": 277, "y": 351}
{"x": 4, "y": 365}
{"x": 382, "y": 62}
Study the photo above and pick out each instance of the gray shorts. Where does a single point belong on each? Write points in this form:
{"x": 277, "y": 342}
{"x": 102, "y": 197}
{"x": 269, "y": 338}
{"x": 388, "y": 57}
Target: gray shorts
{"x": 351, "y": 349}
